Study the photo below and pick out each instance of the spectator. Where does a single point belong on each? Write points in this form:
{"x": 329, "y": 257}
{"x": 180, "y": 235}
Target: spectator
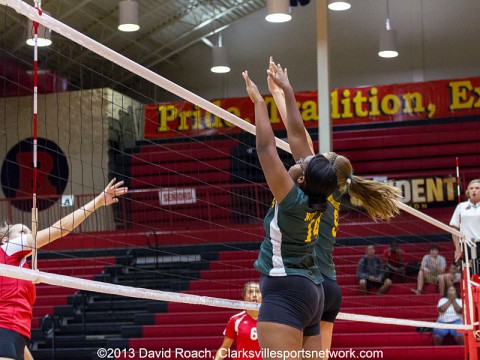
{"x": 431, "y": 267}
{"x": 371, "y": 273}
{"x": 393, "y": 262}
{"x": 449, "y": 312}
{"x": 243, "y": 328}
{"x": 453, "y": 276}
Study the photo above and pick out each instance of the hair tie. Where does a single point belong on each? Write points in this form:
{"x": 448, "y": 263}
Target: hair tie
{"x": 333, "y": 159}
{"x": 349, "y": 180}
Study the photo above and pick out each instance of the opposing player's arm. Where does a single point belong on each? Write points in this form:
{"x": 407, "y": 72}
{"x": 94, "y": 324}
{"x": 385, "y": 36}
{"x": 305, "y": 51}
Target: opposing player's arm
{"x": 68, "y": 223}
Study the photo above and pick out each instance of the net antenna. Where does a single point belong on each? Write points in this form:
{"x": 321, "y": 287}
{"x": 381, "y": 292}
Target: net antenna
{"x": 75, "y": 36}
{"x": 34, "y": 225}
{"x": 458, "y": 179}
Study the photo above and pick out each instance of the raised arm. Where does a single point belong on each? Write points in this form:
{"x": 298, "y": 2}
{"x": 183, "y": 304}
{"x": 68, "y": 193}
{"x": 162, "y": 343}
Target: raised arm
{"x": 279, "y": 182}
{"x": 279, "y": 98}
{"x": 458, "y": 247}
{"x": 68, "y": 223}
{"x": 298, "y": 138}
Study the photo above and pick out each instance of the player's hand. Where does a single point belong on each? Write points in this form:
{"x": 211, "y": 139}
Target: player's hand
{"x": 252, "y": 89}
{"x": 278, "y": 76}
{"x": 111, "y": 193}
{"x": 272, "y": 86}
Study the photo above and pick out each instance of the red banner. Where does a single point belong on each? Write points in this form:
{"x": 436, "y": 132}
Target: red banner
{"x": 362, "y": 105}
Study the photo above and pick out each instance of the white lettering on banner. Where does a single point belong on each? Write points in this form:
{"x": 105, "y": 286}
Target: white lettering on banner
{"x": 176, "y": 196}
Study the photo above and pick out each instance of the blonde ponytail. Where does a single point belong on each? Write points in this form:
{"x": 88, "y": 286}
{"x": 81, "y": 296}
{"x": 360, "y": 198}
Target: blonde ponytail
{"x": 379, "y": 199}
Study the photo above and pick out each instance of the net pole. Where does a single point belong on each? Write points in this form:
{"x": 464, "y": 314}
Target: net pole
{"x": 469, "y": 311}
{"x": 466, "y": 276}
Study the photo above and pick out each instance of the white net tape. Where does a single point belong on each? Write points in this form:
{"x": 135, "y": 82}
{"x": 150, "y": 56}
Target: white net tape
{"x": 142, "y": 293}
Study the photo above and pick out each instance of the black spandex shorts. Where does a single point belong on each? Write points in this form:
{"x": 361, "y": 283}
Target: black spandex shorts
{"x": 333, "y": 300}
{"x": 12, "y": 344}
{"x": 292, "y": 300}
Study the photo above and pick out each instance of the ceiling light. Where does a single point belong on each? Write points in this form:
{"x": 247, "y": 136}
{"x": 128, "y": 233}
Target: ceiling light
{"x": 388, "y": 47}
{"x": 128, "y": 16}
{"x": 43, "y": 34}
{"x": 339, "y": 5}
{"x": 388, "y": 40}
{"x": 278, "y": 11}
{"x": 220, "y": 60}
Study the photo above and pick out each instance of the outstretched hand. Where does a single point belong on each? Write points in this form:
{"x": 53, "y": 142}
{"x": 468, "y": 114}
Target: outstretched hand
{"x": 272, "y": 87}
{"x": 111, "y": 193}
{"x": 277, "y": 76}
{"x": 252, "y": 89}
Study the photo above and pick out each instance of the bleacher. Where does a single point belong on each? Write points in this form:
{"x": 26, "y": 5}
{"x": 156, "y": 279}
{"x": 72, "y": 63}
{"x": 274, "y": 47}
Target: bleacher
{"x": 396, "y": 152}
{"x": 90, "y": 321}
{"x": 423, "y": 150}
{"x": 206, "y": 167}
{"x": 202, "y": 166}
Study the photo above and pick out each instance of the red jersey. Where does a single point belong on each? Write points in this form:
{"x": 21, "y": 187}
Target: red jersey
{"x": 16, "y": 296}
{"x": 243, "y": 328}
{"x": 394, "y": 257}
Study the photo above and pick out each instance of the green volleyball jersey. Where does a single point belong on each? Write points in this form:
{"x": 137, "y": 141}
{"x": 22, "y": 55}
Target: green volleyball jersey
{"x": 328, "y": 234}
{"x": 291, "y": 233}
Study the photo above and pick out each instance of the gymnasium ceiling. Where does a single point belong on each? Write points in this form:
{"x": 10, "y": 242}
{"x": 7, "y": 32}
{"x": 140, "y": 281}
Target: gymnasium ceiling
{"x": 168, "y": 27}
{"x": 171, "y": 30}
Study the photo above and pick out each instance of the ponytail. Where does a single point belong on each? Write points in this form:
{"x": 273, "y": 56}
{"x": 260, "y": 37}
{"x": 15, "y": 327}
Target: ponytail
{"x": 379, "y": 199}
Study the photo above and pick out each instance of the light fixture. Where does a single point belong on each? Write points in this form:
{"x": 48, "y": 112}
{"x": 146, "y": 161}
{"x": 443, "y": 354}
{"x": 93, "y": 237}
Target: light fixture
{"x": 278, "y": 11}
{"x": 44, "y": 34}
{"x": 388, "y": 40}
{"x": 339, "y": 5}
{"x": 128, "y": 16}
{"x": 219, "y": 58}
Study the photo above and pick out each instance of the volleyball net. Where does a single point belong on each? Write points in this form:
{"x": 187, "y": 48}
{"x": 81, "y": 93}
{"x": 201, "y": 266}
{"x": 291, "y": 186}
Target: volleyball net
{"x": 189, "y": 229}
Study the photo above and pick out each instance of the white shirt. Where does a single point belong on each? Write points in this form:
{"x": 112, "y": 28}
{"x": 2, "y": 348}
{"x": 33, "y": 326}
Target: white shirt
{"x": 432, "y": 265}
{"x": 467, "y": 218}
{"x": 450, "y": 315}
